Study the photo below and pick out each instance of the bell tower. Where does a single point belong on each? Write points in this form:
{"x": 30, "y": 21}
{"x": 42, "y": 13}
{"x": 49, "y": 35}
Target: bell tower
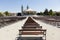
{"x": 27, "y": 7}
{"x": 22, "y": 9}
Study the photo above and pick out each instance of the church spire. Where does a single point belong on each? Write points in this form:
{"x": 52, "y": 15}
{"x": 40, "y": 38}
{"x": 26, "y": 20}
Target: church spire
{"x": 22, "y": 8}
{"x": 27, "y": 7}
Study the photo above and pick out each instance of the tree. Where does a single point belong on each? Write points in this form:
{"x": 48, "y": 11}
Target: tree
{"x": 57, "y": 13}
{"x": 40, "y": 13}
{"x": 46, "y": 12}
{"x": 51, "y": 12}
{"x": 6, "y": 13}
{"x": 1, "y": 14}
{"x": 18, "y": 14}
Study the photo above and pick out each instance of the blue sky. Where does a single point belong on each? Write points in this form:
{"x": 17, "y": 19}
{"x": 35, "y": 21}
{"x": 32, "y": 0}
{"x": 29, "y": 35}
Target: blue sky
{"x": 38, "y": 5}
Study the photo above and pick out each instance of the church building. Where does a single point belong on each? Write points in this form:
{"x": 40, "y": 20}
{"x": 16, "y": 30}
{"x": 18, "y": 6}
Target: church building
{"x": 27, "y": 11}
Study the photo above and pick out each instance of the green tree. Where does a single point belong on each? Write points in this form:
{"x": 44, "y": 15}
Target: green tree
{"x": 46, "y": 12}
{"x": 51, "y": 12}
{"x": 18, "y": 14}
{"x": 1, "y": 14}
{"x": 57, "y": 13}
{"x": 6, "y": 13}
{"x": 40, "y": 13}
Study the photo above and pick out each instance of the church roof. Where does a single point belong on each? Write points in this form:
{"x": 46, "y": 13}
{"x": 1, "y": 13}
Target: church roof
{"x": 29, "y": 9}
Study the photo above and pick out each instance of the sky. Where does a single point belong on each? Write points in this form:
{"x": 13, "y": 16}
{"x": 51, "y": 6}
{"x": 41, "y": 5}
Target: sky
{"x": 37, "y": 5}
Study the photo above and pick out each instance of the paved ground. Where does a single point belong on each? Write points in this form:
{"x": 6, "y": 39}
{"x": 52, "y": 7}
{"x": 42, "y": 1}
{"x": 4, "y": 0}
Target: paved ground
{"x": 11, "y": 32}
{"x": 53, "y": 33}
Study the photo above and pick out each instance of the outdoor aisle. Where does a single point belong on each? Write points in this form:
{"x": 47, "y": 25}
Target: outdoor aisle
{"x": 11, "y": 32}
{"x": 53, "y": 33}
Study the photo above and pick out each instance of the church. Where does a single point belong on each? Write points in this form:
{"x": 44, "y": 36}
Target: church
{"x": 27, "y": 11}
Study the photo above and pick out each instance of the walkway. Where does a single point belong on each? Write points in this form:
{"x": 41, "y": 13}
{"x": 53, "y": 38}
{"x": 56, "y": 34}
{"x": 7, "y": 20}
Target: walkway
{"x": 11, "y": 32}
{"x": 53, "y": 33}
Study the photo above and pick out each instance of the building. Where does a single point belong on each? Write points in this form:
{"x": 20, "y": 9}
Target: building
{"x": 32, "y": 31}
{"x": 27, "y": 11}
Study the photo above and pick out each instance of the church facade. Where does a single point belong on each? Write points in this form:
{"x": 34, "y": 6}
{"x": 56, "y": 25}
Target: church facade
{"x": 27, "y": 11}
